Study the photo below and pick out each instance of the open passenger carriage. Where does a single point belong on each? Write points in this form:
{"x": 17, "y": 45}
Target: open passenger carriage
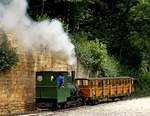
{"x": 97, "y": 89}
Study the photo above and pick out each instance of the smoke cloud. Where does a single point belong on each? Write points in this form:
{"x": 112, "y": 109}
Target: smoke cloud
{"x": 32, "y": 34}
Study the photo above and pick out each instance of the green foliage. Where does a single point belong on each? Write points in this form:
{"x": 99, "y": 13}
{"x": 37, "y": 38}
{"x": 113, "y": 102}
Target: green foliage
{"x": 93, "y": 54}
{"x": 11, "y": 110}
{"x": 42, "y": 17}
{"x": 8, "y": 57}
{"x": 142, "y": 84}
{"x": 140, "y": 33}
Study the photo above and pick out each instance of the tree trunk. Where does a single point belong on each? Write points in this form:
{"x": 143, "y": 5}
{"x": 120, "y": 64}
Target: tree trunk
{"x": 43, "y": 6}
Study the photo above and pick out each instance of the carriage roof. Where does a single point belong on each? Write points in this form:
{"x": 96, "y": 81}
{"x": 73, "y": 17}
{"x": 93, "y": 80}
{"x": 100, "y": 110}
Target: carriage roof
{"x": 104, "y": 78}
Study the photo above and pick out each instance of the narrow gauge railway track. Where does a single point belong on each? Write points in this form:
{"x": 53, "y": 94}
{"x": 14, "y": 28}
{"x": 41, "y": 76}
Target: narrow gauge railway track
{"x": 45, "y": 111}
{"x": 49, "y": 112}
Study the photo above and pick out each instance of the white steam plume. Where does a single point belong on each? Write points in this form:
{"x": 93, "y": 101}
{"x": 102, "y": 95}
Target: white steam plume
{"x": 14, "y": 18}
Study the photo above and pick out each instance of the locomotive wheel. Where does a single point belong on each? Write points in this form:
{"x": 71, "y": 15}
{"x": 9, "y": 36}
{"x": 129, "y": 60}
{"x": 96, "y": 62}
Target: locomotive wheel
{"x": 54, "y": 106}
{"x": 64, "y": 105}
{"x": 60, "y": 106}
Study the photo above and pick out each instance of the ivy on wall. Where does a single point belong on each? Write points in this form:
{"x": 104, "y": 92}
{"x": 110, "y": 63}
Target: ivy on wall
{"x": 8, "y": 56}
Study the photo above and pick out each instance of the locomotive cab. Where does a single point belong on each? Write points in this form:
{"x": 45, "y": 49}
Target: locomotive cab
{"x": 49, "y": 94}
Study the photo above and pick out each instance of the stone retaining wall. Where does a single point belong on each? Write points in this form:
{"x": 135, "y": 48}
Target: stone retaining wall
{"x": 17, "y": 86}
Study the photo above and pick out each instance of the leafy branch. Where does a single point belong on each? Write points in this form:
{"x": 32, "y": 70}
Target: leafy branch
{"x": 8, "y": 56}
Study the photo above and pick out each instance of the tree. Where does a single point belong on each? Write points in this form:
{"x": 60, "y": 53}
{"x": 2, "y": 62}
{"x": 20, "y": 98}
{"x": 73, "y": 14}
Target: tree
{"x": 94, "y": 56}
{"x": 140, "y": 32}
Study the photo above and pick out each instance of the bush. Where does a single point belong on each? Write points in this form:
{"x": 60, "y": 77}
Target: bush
{"x": 93, "y": 55}
{"x": 142, "y": 84}
{"x": 8, "y": 57}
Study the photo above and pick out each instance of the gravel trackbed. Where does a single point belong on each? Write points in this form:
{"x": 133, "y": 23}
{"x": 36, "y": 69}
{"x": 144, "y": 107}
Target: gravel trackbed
{"x": 133, "y": 107}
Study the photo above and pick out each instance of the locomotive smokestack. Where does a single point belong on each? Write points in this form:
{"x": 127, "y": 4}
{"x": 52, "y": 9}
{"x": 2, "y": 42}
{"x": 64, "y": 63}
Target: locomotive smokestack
{"x": 32, "y": 34}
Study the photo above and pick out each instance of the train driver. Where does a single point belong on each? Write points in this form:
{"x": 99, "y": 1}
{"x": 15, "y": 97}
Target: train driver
{"x": 60, "y": 80}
